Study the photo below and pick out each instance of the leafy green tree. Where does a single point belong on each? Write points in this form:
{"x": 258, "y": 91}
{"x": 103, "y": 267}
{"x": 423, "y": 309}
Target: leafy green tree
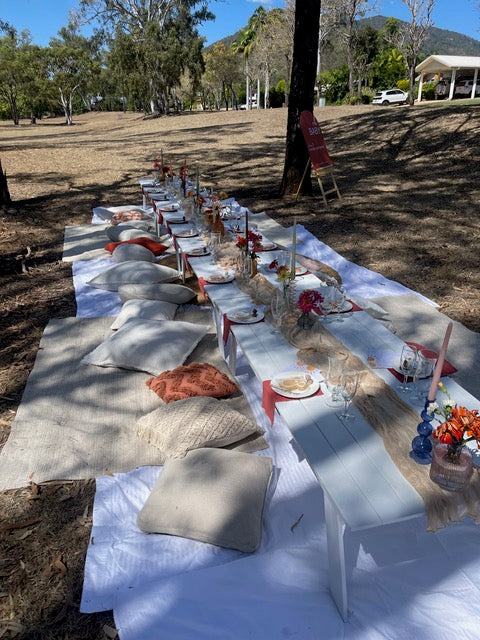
{"x": 222, "y": 73}
{"x": 351, "y": 11}
{"x": 12, "y": 71}
{"x": 72, "y": 61}
{"x": 244, "y": 46}
{"x": 163, "y": 37}
{"x": 366, "y": 49}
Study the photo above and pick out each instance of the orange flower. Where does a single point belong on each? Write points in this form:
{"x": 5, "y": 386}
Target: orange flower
{"x": 462, "y": 425}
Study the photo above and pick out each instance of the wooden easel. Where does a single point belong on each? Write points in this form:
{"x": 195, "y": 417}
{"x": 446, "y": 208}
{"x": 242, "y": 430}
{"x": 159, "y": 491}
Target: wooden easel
{"x": 319, "y": 172}
{"x": 319, "y": 158}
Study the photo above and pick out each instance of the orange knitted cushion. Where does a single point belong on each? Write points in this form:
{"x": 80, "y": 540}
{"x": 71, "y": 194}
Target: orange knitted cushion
{"x": 155, "y": 247}
{"x": 188, "y": 381}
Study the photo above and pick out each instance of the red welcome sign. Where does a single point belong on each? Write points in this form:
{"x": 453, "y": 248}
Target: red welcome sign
{"x": 314, "y": 140}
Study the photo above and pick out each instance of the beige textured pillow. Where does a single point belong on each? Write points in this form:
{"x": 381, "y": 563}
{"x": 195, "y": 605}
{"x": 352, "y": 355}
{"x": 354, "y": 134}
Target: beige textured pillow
{"x": 143, "y": 230}
{"x": 180, "y": 426}
{"x": 132, "y": 272}
{"x": 148, "y": 345}
{"x": 126, "y": 252}
{"x": 211, "y": 495}
{"x": 146, "y": 310}
{"x": 176, "y": 293}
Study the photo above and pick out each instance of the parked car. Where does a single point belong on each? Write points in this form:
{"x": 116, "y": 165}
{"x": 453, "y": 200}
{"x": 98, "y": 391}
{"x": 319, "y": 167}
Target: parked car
{"x": 390, "y": 96}
{"x": 464, "y": 88}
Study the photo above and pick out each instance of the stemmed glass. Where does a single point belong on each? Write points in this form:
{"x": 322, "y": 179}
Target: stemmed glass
{"x": 278, "y": 309}
{"x": 426, "y": 362}
{"x": 407, "y": 365}
{"x": 348, "y": 389}
{"x": 336, "y": 365}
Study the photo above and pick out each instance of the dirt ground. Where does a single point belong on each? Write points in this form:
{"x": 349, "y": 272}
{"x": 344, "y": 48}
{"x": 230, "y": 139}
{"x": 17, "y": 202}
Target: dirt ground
{"x": 409, "y": 210}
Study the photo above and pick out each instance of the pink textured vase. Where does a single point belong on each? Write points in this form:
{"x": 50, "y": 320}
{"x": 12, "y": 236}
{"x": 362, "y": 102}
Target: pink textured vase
{"x": 451, "y": 467}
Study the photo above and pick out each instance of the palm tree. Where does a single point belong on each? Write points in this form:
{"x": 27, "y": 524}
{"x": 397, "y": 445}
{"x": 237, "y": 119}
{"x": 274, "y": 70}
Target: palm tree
{"x": 244, "y": 45}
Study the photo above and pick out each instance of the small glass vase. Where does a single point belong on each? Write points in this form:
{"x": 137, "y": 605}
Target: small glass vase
{"x": 452, "y": 466}
{"x": 306, "y": 321}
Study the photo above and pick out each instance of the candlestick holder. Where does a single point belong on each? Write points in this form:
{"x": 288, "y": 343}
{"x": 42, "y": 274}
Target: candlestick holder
{"x": 421, "y": 445}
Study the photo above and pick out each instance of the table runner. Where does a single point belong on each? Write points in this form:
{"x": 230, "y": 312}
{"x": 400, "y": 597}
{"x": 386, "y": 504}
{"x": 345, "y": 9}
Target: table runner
{"x": 388, "y": 414}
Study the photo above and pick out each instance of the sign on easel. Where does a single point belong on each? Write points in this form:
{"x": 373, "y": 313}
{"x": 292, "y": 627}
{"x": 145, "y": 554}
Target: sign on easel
{"x": 319, "y": 157}
{"x": 317, "y": 149}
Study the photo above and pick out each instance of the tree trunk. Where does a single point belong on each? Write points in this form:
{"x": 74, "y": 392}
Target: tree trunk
{"x": 5, "y": 200}
{"x": 302, "y": 87}
{"x": 247, "y": 88}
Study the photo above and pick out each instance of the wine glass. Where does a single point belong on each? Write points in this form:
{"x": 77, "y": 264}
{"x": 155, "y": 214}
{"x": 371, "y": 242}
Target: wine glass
{"x": 336, "y": 365}
{"x": 426, "y": 361}
{"x": 348, "y": 389}
{"x": 338, "y": 301}
{"x": 278, "y": 309}
{"x": 407, "y": 365}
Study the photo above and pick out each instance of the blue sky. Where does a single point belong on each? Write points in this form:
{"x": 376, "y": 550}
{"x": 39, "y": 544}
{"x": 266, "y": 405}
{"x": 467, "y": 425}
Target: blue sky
{"x": 43, "y": 18}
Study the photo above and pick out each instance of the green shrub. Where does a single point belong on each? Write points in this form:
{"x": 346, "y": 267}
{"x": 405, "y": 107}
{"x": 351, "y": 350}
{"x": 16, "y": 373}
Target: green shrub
{"x": 428, "y": 91}
{"x": 404, "y": 85}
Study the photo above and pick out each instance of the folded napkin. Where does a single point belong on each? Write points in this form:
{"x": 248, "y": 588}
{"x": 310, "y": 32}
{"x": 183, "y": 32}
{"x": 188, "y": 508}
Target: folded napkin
{"x": 271, "y": 397}
{"x": 447, "y": 370}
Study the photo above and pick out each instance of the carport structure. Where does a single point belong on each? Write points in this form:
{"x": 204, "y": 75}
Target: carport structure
{"x": 450, "y": 68}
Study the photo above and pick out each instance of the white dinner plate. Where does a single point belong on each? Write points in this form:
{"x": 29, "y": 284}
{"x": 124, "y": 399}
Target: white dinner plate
{"x": 187, "y": 234}
{"x": 170, "y": 208}
{"x": 310, "y": 390}
{"x": 300, "y": 271}
{"x": 177, "y": 221}
{"x": 219, "y": 278}
{"x": 198, "y": 251}
{"x": 245, "y": 316}
{"x": 268, "y": 246}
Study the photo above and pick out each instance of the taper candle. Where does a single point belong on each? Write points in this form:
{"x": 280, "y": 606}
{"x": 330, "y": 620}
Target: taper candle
{"x": 246, "y": 231}
{"x": 161, "y": 158}
{"x": 293, "y": 262}
{"x": 439, "y": 366}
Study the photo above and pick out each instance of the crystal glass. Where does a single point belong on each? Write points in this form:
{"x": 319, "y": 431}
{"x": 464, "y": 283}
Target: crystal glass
{"x": 407, "y": 365}
{"x": 336, "y": 365}
{"x": 278, "y": 309}
{"x": 423, "y": 371}
{"x": 348, "y": 389}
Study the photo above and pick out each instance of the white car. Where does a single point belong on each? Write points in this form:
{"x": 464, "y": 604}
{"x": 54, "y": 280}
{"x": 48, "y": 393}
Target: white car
{"x": 390, "y": 96}
{"x": 464, "y": 88}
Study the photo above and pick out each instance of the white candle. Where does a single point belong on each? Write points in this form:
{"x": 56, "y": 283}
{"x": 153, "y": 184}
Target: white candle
{"x": 439, "y": 366}
{"x": 294, "y": 251}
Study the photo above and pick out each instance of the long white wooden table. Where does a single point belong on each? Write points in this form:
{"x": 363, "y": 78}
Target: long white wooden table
{"x": 362, "y": 486}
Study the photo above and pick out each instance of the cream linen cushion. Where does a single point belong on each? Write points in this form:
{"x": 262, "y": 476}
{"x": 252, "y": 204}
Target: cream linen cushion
{"x": 191, "y": 423}
{"x": 148, "y": 345}
{"x": 127, "y": 252}
{"x": 211, "y": 495}
{"x": 132, "y": 272}
{"x": 146, "y": 310}
{"x": 176, "y": 293}
{"x": 120, "y": 232}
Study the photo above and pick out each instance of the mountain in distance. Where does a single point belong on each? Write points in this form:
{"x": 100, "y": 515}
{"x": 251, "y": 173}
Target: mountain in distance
{"x": 438, "y": 41}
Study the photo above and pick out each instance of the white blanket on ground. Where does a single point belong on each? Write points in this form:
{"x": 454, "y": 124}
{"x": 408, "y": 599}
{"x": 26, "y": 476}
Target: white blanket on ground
{"x": 359, "y": 282}
{"x": 92, "y": 302}
{"x": 403, "y": 582}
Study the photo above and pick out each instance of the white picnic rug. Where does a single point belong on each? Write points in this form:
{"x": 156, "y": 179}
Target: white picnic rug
{"x": 403, "y": 582}
{"x": 85, "y": 242}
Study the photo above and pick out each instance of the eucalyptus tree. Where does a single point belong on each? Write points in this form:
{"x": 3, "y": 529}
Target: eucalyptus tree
{"x": 412, "y": 37}
{"x": 13, "y": 71}
{"x": 222, "y": 73}
{"x": 351, "y": 11}
{"x": 163, "y": 35}
{"x": 72, "y": 61}
{"x": 304, "y": 66}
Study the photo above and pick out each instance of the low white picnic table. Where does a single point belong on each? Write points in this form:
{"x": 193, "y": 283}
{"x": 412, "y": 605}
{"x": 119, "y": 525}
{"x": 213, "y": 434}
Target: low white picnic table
{"x": 362, "y": 486}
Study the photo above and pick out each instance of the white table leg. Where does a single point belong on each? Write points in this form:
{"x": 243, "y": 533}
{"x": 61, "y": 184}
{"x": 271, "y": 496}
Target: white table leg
{"x": 336, "y": 557}
{"x": 218, "y": 325}
{"x": 232, "y": 357}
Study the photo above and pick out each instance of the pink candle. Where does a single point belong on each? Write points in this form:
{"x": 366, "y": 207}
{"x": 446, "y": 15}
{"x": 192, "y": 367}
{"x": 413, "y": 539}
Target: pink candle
{"x": 439, "y": 366}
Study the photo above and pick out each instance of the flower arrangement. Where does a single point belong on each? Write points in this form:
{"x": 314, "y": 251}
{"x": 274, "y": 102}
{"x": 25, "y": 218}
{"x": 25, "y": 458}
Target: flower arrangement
{"x": 458, "y": 425}
{"x": 309, "y": 300}
{"x": 283, "y": 273}
{"x": 254, "y": 239}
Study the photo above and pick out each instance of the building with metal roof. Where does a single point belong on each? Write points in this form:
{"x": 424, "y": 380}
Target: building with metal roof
{"x": 451, "y": 71}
